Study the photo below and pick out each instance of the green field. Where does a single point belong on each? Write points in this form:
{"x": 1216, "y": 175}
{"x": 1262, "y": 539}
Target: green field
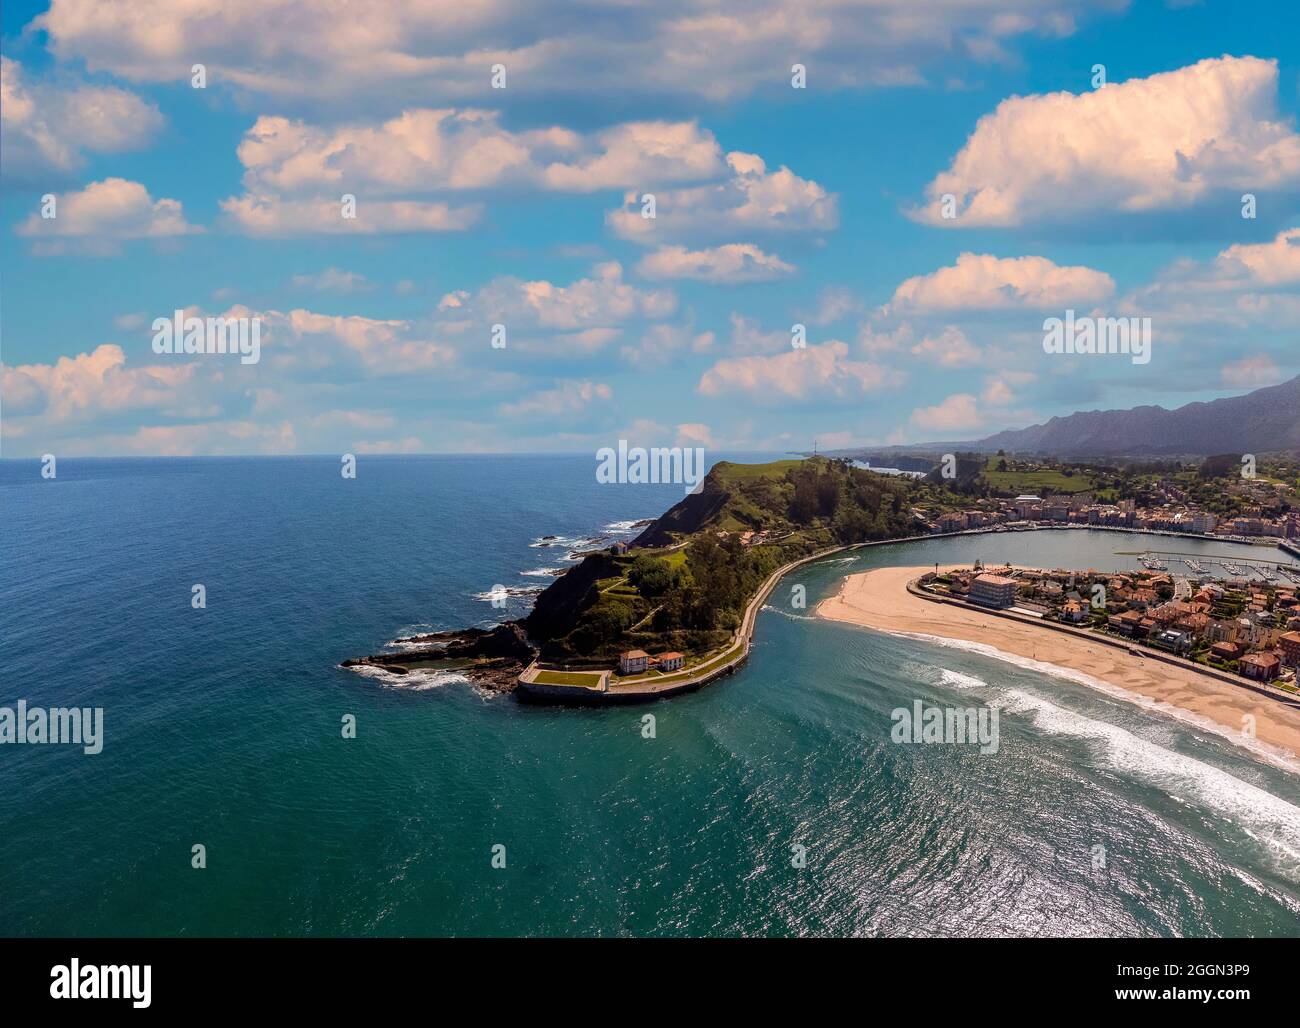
{"x": 729, "y": 472}
{"x": 1037, "y": 481}
{"x": 567, "y": 678}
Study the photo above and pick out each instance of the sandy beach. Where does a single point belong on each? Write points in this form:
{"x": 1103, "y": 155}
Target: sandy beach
{"x": 879, "y": 599}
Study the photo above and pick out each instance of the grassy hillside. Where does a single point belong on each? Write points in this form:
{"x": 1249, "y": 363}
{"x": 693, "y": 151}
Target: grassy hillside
{"x": 685, "y": 581}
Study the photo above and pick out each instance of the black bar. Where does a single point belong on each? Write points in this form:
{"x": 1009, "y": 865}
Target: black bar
{"x": 215, "y": 977}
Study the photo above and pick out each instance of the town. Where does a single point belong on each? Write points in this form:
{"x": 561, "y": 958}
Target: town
{"x": 1240, "y": 626}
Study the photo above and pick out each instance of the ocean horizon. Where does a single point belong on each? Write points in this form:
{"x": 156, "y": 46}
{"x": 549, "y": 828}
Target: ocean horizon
{"x": 222, "y": 729}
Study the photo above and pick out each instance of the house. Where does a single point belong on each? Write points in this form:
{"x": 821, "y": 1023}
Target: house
{"x": 1225, "y": 651}
{"x": 1172, "y": 640}
{"x": 633, "y": 661}
{"x": 1074, "y": 611}
{"x": 1262, "y": 667}
{"x": 1125, "y": 623}
{"x": 993, "y": 591}
{"x": 1290, "y": 644}
{"x": 671, "y": 661}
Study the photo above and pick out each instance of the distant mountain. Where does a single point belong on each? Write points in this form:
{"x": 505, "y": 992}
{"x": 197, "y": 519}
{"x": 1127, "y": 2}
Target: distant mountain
{"x": 1265, "y": 421}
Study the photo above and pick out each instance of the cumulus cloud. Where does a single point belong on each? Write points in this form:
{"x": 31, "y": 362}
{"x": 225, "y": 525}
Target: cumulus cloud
{"x": 273, "y": 216}
{"x": 752, "y": 200}
{"x": 105, "y": 213}
{"x": 305, "y": 340}
{"x": 46, "y": 128}
{"x": 601, "y": 300}
{"x": 985, "y": 282}
{"x": 566, "y": 400}
{"x": 1263, "y": 264}
{"x": 660, "y": 343}
{"x": 375, "y": 49}
{"x": 949, "y": 348}
{"x": 748, "y": 336}
{"x": 92, "y": 383}
{"x": 1158, "y": 143}
{"x": 424, "y": 150}
{"x": 958, "y": 412}
{"x": 1247, "y": 287}
{"x": 817, "y": 372}
{"x": 730, "y": 264}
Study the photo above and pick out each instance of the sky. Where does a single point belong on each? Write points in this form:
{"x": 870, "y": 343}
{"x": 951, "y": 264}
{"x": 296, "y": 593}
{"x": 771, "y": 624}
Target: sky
{"x": 863, "y": 215}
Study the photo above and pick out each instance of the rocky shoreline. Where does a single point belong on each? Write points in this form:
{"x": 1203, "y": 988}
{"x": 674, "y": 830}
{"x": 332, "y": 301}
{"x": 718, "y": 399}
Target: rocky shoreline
{"x": 490, "y": 658}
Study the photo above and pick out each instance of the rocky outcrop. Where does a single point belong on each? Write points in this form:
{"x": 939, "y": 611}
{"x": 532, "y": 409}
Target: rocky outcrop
{"x": 490, "y": 658}
{"x": 507, "y": 640}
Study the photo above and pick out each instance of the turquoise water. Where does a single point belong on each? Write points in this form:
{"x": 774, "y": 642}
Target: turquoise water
{"x": 222, "y": 727}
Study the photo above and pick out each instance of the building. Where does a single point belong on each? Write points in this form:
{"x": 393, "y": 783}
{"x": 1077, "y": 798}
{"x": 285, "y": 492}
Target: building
{"x": 1290, "y": 644}
{"x": 1172, "y": 640}
{"x": 1262, "y": 667}
{"x": 952, "y": 522}
{"x": 633, "y": 661}
{"x": 993, "y": 591}
{"x": 1225, "y": 651}
{"x": 1074, "y": 611}
{"x": 671, "y": 661}
{"x": 1126, "y": 623}
{"x": 1025, "y": 504}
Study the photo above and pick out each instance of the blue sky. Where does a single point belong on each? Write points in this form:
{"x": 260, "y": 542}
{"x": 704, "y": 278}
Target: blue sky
{"x": 775, "y": 206}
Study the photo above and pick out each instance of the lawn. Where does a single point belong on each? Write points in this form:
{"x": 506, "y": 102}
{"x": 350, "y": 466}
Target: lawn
{"x": 1017, "y": 482}
{"x": 567, "y": 678}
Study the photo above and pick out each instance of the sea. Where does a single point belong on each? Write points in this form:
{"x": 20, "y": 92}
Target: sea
{"x": 771, "y": 803}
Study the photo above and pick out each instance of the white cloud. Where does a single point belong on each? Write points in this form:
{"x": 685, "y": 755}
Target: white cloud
{"x": 46, "y": 127}
{"x": 752, "y": 200}
{"x": 425, "y": 150}
{"x": 985, "y": 282}
{"x": 1263, "y": 264}
{"x": 324, "y": 52}
{"x": 834, "y": 303}
{"x": 92, "y": 383}
{"x": 1159, "y": 143}
{"x": 272, "y": 216}
{"x": 604, "y": 299}
{"x": 568, "y": 399}
{"x": 660, "y": 343}
{"x": 950, "y": 348}
{"x": 694, "y": 434}
{"x": 304, "y": 339}
{"x": 817, "y": 372}
{"x": 331, "y": 280}
{"x": 107, "y": 211}
{"x": 957, "y": 413}
{"x": 730, "y": 264}
{"x": 747, "y": 336}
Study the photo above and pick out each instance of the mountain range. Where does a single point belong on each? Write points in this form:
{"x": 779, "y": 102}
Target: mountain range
{"x": 1264, "y": 421}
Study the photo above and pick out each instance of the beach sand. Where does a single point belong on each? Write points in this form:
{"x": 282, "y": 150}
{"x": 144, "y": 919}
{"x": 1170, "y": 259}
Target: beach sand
{"x": 879, "y": 599}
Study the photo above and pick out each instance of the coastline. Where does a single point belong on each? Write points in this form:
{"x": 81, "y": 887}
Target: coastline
{"x": 879, "y": 599}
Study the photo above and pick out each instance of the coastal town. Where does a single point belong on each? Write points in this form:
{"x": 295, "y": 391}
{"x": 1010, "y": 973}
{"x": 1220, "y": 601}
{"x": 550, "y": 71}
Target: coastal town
{"x": 1243, "y": 626}
{"x": 1083, "y": 510}
{"x": 1230, "y": 497}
